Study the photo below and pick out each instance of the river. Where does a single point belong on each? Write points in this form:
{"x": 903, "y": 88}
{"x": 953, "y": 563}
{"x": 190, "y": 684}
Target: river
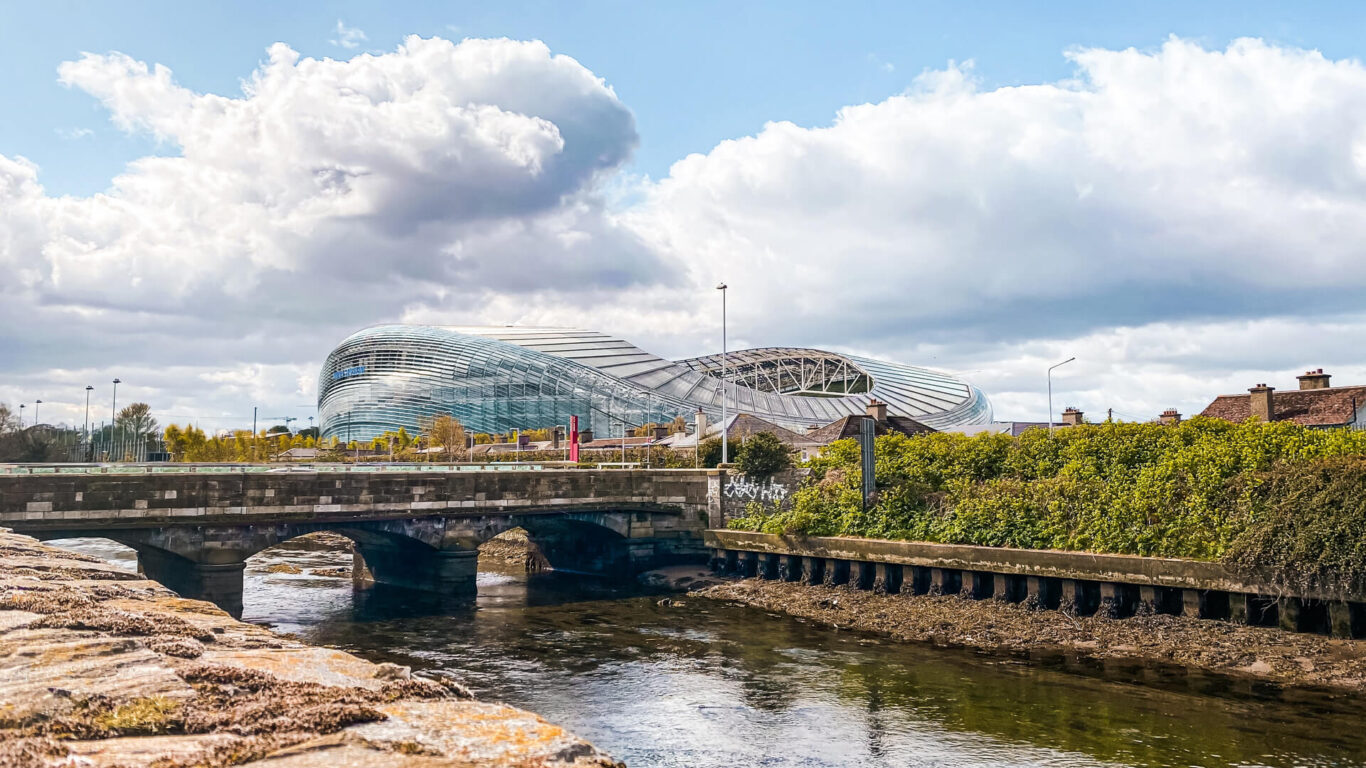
{"x": 697, "y": 683}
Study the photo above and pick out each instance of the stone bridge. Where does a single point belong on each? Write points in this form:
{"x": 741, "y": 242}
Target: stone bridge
{"x": 193, "y": 532}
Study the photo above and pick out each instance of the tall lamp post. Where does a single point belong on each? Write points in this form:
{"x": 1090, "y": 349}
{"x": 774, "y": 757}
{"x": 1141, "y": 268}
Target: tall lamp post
{"x": 88, "y": 389}
{"x": 1050, "y": 391}
{"x": 22, "y": 406}
{"x": 725, "y": 447}
{"x": 113, "y": 412}
{"x": 36, "y": 403}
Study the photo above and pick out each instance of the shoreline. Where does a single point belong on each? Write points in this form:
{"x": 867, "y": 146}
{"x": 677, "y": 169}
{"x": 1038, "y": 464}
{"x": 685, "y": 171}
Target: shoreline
{"x": 101, "y": 667}
{"x": 1288, "y": 661}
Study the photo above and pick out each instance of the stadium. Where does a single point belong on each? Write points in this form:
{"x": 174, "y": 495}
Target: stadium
{"x": 496, "y": 379}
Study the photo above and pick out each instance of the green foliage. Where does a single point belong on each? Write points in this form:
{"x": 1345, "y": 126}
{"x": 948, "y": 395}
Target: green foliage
{"x": 709, "y": 452}
{"x": 1306, "y": 526}
{"x": 1188, "y": 490}
{"x": 763, "y": 454}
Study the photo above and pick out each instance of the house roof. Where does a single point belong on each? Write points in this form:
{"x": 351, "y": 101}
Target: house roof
{"x": 849, "y": 427}
{"x": 738, "y": 427}
{"x": 1328, "y": 407}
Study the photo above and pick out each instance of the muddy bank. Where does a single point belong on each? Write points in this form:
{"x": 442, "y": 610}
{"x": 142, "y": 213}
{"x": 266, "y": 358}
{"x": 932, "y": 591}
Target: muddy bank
{"x": 1287, "y": 659}
{"x": 99, "y": 667}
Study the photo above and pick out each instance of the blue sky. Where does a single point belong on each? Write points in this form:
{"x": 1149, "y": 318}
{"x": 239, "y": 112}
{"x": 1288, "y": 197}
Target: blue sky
{"x": 1174, "y": 193}
{"x": 694, "y": 73}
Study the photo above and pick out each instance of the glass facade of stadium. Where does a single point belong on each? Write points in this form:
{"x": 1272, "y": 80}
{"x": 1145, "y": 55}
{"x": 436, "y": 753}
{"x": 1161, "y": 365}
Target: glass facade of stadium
{"x": 503, "y": 378}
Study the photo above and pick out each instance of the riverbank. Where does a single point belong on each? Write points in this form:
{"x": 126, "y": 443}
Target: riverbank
{"x": 100, "y": 667}
{"x": 1285, "y": 659}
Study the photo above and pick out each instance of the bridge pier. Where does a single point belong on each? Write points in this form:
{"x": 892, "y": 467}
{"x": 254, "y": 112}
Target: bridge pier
{"x": 219, "y": 583}
{"x": 449, "y": 572}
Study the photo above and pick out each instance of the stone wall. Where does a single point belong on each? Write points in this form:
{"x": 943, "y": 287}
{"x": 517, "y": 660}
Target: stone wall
{"x": 731, "y": 492}
{"x": 32, "y": 502}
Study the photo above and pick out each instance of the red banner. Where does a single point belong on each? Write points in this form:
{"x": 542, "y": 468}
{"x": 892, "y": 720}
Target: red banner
{"x": 574, "y": 438}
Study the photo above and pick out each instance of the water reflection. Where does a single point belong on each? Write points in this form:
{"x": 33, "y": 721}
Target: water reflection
{"x": 696, "y": 683}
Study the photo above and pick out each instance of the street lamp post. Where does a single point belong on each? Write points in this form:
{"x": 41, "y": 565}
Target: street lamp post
{"x": 1050, "y": 391}
{"x": 88, "y": 389}
{"x": 22, "y": 406}
{"x": 36, "y": 403}
{"x": 113, "y": 411}
{"x": 725, "y": 447}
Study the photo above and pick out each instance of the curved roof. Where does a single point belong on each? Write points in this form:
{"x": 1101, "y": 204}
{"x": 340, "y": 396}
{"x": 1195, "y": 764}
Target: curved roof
{"x": 758, "y": 377}
{"x": 500, "y": 378}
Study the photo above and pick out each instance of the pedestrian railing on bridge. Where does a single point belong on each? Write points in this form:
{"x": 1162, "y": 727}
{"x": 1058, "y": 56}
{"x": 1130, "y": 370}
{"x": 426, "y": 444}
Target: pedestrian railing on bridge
{"x": 183, "y": 468}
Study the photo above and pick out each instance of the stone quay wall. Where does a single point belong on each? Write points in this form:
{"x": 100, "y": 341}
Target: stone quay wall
{"x": 1081, "y": 582}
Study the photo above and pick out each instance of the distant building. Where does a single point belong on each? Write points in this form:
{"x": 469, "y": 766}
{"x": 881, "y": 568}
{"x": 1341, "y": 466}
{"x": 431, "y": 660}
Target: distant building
{"x": 1314, "y": 404}
{"x": 496, "y": 379}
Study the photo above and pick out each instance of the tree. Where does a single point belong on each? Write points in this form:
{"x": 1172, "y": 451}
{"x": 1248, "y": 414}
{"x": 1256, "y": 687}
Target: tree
{"x": 9, "y": 422}
{"x": 709, "y": 452}
{"x": 175, "y": 441}
{"x": 277, "y": 430}
{"x": 137, "y": 420}
{"x": 447, "y": 432}
{"x": 762, "y": 454}
{"x": 309, "y": 432}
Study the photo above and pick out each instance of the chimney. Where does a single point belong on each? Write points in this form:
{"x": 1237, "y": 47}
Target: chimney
{"x": 1169, "y": 416}
{"x": 812, "y": 428}
{"x": 585, "y": 436}
{"x": 1314, "y": 379}
{"x": 661, "y": 432}
{"x": 701, "y": 419}
{"x": 878, "y": 410}
{"x": 1071, "y": 417}
{"x": 1261, "y": 402}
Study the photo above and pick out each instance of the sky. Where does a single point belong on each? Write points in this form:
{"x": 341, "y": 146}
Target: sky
{"x": 202, "y": 201}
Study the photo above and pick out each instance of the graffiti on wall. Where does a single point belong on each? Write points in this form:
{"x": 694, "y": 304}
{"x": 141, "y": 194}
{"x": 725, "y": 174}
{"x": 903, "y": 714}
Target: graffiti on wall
{"x": 748, "y": 489}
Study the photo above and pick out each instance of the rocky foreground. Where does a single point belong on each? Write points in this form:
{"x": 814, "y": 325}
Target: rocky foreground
{"x": 1287, "y": 659}
{"x": 100, "y": 667}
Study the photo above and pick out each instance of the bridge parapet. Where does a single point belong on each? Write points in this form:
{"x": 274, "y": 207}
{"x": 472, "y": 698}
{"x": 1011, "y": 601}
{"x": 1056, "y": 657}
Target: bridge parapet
{"x": 195, "y": 531}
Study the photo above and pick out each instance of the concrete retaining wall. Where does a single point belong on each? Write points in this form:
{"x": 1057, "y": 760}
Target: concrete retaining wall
{"x": 1085, "y": 583}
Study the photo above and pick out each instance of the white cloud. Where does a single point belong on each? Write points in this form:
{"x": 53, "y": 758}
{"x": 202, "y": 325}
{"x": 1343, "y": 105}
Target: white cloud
{"x": 1186, "y": 221}
{"x": 326, "y": 196}
{"x": 348, "y": 37}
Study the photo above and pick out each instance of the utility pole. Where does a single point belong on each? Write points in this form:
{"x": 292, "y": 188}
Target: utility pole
{"x": 725, "y": 448}
{"x": 1050, "y": 391}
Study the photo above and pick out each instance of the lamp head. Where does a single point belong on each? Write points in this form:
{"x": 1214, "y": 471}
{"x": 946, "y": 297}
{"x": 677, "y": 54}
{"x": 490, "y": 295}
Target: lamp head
{"x": 721, "y": 286}
{"x": 88, "y": 388}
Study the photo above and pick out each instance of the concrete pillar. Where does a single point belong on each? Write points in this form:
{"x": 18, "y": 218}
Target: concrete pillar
{"x": 219, "y": 583}
{"x": 749, "y": 564}
{"x": 1239, "y": 606}
{"x": 865, "y": 574}
{"x": 945, "y": 581}
{"x": 1288, "y": 613}
{"x": 1001, "y": 588}
{"x": 789, "y": 567}
{"x": 730, "y": 562}
{"x": 977, "y": 585}
{"x": 768, "y": 565}
{"x": 1040, "y": 592}
{"x": 1340, "y": 619}
{"x": 1149, "y": 601}
{"x": 1071, "y": 597}
{"x": 1195, "y": 604}
{"x": 813, "y": 570}
{"x": 836, "y": 572}
{"x": 1113, "y": 603}
{"x": 887, "y": 579}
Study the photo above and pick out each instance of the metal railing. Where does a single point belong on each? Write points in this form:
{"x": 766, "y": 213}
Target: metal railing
{"x": 172, "y": 468}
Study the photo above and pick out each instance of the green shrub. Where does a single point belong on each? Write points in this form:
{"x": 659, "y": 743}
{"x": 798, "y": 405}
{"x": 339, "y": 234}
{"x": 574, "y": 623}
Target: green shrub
{"x": 709, "y": 452}
{"x": 762, "y": 454}
{"x": 1190, "y": 490}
